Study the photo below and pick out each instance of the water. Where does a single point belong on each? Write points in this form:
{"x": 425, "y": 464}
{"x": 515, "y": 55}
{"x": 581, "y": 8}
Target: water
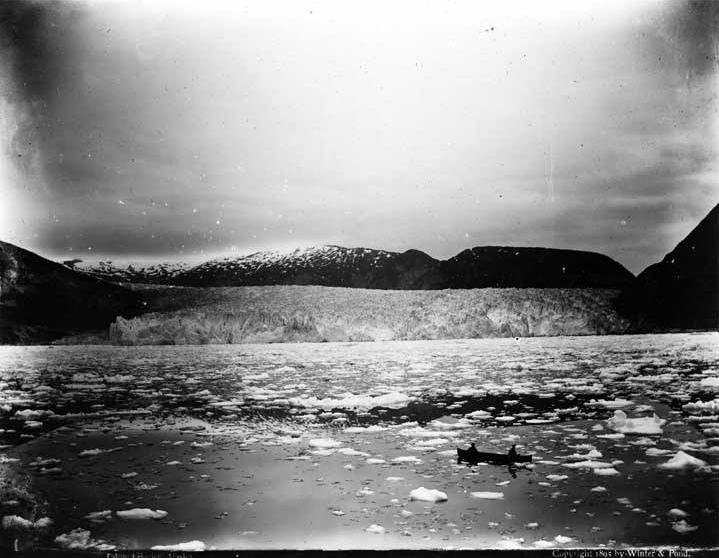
{"x": 236, "y": 425}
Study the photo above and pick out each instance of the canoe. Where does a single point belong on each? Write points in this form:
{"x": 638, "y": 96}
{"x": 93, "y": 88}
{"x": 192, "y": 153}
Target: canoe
{"x": 473, "y": 456}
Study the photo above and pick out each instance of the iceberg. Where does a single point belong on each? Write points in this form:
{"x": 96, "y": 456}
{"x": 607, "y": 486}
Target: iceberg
{"x": 642, "y": 425}
{"x": 682, "y": 460}
{"x": 428, "y": 495}
{"x": 190, "y": 546}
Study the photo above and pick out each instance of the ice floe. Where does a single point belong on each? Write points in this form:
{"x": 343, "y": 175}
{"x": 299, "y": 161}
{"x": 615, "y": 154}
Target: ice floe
{"x": 611, "y": 404}
{"x": 488, "y": 495}
{"x": 555, "y": 478}
{"x": 683, "y": 460}
{"x": 351, "y": 451}
{"x": 190, "y": 546}
{"x": 682, "y": 526}
{"x": 375, "y": 529}
{"x": 324, "y": 443}
{"x": 606, "y": 471}
{"x": 428, "y": 495}
{"x": 80, "y": 539}
{"x": 99, "y": 516}
{"x": 141, "y": 513}
{"x": 19, "y": 523}
{"x": 354, "y": 401}
{"x": 642, "y": 425}
{"x": 409, "y": 459}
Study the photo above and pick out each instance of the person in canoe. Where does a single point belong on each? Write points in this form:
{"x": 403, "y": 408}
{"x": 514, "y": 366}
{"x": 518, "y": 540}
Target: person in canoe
{"x": 512, "y": 453}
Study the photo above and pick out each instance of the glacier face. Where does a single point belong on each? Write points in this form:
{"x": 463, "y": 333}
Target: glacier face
{"x": 316, "y": 314}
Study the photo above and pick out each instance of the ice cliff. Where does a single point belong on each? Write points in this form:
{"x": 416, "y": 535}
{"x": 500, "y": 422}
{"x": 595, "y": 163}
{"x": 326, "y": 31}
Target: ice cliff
{"x": 315, "y": 314}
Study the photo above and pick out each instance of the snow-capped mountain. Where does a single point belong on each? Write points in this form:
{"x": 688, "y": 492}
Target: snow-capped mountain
{"x": 322, "y": 265}
{"x": 335, "y": 266}
{"x": 125, "y": 272}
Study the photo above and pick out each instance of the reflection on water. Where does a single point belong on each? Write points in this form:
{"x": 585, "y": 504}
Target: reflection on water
{"x": 308, "y": 445}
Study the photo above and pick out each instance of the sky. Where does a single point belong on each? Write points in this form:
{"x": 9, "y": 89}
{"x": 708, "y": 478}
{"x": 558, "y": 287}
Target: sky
{"x": 169, "y": 130}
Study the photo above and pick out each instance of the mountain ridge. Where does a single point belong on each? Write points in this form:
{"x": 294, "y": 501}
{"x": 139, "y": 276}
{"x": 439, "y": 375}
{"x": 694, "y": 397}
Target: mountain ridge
{"x": 337, "y": 266}
{"x": 682, "y": 290}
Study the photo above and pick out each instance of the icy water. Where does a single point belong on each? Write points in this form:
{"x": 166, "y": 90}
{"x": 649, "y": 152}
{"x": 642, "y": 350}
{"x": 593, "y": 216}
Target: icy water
{"x": 325, "y": 445}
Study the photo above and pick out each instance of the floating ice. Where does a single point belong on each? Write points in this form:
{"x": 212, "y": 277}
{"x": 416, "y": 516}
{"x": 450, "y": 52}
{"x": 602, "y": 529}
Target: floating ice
{"x": 128, "y": 475}
{"x": 711, "y": 383}
{"x": 446, "y": 424}
{"x": 79, "y": 539}
{"x": 591, "y": 454}
{"x": 376, "y": 529}
{"x": 190, "y": 546}
{"x": 324, "y": 443}
{"x": 322, "y": 452}
{"x": 409, "y": 459}
{"x": 682, "y": 460}
{"x": 598, "y": 489}
{"x": 676, "y": 512}
{"x": 392, "y": 400}
{"x": 395, "y": 479}
{"x": 561, "y": 539}
{"x": 141, "y": 513}
{"x": 702, "y": 407}
{"x": 375, "y": 461}
{"x": 350, "y": 451}
{"x": 683, "y": 527}
{"x": 431, "y": 442}
{"x": 554, "y": 478}
{"x": 17, "y": 522}
{"x": 99, "y": 515}
{"x": 96, "y": 451}
{"x": 428, "y": 495}
{"x": 643, "y": 425}
{"x": 541, "y": 543}
{"x": 364, "y": 429}
{"x": 588, "y": 465}
{"x": 606, "y": 471}
{"x": 488, "y": 495}
{"x": 611, "y": 404}
{"x": 653, "y": 452}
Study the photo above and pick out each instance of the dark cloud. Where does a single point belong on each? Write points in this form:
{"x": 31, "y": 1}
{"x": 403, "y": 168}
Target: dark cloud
{"x": 39, "y": 46}
{"x": 162, "y": 128}
{"x": 693, "y": 29}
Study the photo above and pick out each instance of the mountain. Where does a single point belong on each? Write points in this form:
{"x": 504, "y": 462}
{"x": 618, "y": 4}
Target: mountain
{"x": 487, "y": 266}
{"x": 682, "y": 291}
{"x": 156, "y": 274}
{"x": 330, "y": 266}
{"x": 335, "y": 266}
{"x": 502, "y": 266}
{"x": 41, "y": 300}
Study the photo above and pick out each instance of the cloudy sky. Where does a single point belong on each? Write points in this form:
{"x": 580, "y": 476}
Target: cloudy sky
{"x": 183, "y": 130}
